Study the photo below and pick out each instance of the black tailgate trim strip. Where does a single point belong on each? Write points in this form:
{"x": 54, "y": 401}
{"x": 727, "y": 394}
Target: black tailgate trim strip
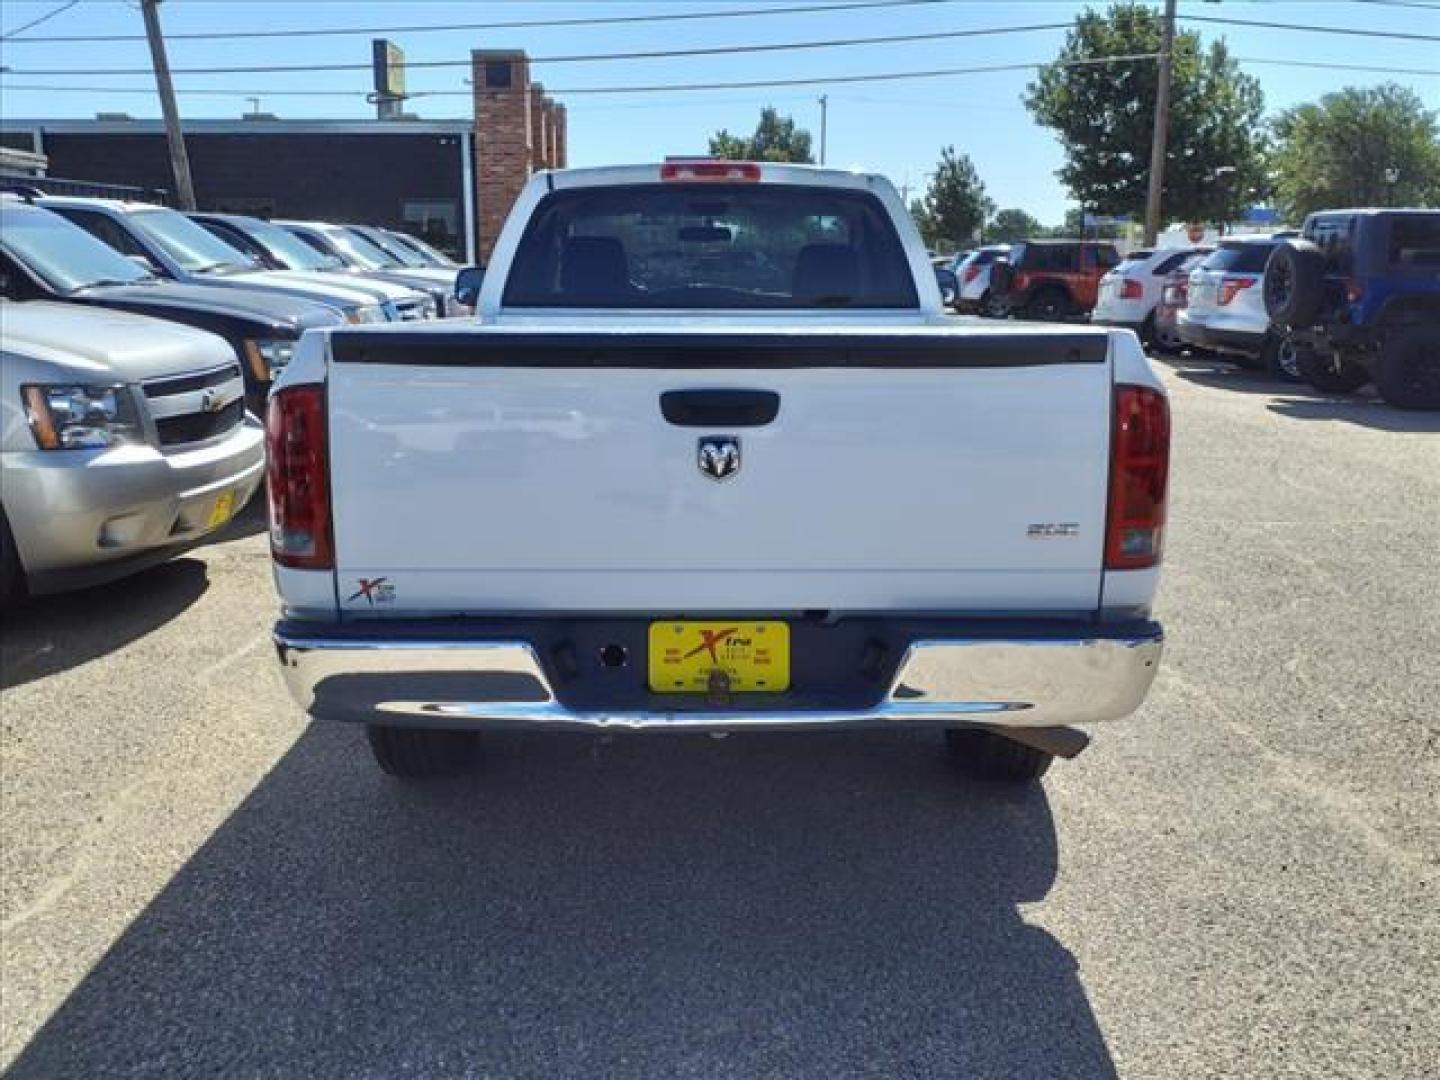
{"x": 921, "y": 348}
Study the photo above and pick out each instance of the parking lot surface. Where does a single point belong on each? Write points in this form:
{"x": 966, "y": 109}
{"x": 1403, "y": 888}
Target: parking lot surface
{"x": 1240, "y": 881}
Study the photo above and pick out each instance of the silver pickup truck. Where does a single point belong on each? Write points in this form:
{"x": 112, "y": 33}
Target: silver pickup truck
{"x": 123, "y": 440}
{"x": 714, "y": 458}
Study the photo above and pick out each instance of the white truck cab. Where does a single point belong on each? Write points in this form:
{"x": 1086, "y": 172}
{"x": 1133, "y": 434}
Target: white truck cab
{"x": 712, "y": 457}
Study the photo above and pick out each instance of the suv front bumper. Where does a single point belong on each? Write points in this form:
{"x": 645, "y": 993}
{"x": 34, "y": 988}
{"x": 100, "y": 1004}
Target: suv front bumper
{"x": 84, "y": 517}
{"x": 425, "y": 677}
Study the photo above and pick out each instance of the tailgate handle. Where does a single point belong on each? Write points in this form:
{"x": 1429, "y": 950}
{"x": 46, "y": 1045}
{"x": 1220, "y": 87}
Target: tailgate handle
{"x": 720, "y": 408}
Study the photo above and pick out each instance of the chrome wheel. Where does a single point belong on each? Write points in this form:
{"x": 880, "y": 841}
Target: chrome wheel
{"x": 1287, "y": 358}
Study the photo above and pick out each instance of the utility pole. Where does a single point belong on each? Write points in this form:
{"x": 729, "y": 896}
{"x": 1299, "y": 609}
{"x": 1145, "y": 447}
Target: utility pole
{"x": 1162, "y": 128}
{"x": 179, "y": 162}
{"x": 824, "y": 102}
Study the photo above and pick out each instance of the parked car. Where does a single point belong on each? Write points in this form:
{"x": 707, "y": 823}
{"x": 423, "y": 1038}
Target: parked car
{"x": 1361, "y": 292}
{"x": 124, "y": 440}
{"x": 408, "y": 261}
{"x": 45, "y": 257}
{"x": 429, "y": 252}
{"x": 356, "y": 250}
{"x": 1130, "y": 293}
{"x": 172, "y": 246}
{"x": 973, "y": 273}
{"x": 274, "y": 248}
{"x": 1225, "y": 307}
{"x": 1174, "y": 294}
{"x": 436, "y": 489}
{"x": 949, "y": 285}
{"x": 1051, "y": 279}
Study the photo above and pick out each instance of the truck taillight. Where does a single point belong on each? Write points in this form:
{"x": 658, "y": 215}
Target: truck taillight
{"x": 1130, "y": 289}
{"x": 1139, "y": 475}
{"x": 298, "y": 479}
{"x": 709, "y": 170}
{"x": 971, "y": 273}
{"x": 1231, "y": 286}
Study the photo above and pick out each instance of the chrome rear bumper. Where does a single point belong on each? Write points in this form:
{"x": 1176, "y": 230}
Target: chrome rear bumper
{"x": 1013, "y": 682}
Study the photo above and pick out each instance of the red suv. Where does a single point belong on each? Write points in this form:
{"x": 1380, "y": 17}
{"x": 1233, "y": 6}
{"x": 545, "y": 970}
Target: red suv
{"x": 1052, "y": 279}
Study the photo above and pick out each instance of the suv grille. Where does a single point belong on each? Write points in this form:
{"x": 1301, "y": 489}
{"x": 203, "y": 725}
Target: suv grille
{"x": 192, "y": 427}
{"x": 184, "y": 406}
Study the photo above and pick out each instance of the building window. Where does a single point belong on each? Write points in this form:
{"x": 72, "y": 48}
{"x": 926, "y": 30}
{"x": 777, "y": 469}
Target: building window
{"x": 497, "y": 74}
{"x": 437, "y": 222}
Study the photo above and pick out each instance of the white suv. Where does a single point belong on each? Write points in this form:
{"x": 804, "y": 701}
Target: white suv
{"x": 1225, "y": 311}
{"x": 973, "y": 273}
{"x": 1129, "y": 293}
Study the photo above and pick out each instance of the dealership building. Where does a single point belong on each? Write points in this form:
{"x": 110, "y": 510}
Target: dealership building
{"x": 451, "y": 181}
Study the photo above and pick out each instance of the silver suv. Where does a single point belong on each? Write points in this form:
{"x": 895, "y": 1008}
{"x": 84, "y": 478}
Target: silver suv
{"x": 123, "y": 439}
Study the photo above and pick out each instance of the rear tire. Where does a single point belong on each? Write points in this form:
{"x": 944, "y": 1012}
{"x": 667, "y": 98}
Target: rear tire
{"x": 420, "y": 753}
{"x": 1282, "y": 357}
{"x": 1408, "y": 373}
{"x": 1168, "y": 340}
{"x": 1048, "y": 305}
{"x": 988, "y": 756}
{"x": 1339, "y": 376}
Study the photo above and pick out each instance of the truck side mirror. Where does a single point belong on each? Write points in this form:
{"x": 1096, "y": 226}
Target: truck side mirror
{"x": 467, "y": 284}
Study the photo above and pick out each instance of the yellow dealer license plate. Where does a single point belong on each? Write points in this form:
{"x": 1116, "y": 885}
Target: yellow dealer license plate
{"x": 223, "y": 508}
{"x": 752, "y": 656}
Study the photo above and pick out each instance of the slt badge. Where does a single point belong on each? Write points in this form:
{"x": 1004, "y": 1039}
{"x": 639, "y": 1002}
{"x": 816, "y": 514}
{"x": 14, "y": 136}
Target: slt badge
{"x": 718, "y": 456}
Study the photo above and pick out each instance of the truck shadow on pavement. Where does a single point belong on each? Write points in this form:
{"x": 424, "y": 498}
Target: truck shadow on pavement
{"x": 1298, "y": 400}
{"x": 43, "y": 635}
{"x": 824, "y": 905}
{"x": 1365, "y": 412}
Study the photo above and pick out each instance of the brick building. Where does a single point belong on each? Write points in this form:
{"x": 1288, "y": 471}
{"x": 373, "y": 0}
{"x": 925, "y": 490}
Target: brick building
{"x": 452, "y": 181}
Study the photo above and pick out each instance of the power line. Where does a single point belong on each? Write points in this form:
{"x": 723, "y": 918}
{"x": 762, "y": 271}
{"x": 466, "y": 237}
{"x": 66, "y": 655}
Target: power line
{"x": 366, "y": 31}
{"x": 1310, "y": 28}
{"x": 576, "y": 58}
{"x": 886, "y": 76}
{"x": 1401, "y": 4}
{"x": 42, "y": 19}
{"x": 881, "y": 77}
{"x": 1320, "y": 64}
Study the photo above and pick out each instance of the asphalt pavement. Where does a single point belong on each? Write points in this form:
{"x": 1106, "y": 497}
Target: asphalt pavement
{"x": 1240, "y": 881}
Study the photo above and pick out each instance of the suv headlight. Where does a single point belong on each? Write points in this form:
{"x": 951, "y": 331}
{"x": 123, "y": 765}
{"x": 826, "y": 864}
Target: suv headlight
{"x": 368, "y": 313}
{"x": 268, "y": 356}
{"x": 73, "y": 416}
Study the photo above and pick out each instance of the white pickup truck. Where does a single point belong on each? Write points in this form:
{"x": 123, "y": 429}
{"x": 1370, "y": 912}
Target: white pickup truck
{"x": 712, "y": 458}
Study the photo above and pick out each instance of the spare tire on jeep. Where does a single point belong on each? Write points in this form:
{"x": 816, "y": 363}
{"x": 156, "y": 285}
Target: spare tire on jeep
{"x": 1294, "y": 284}
{"x": 1001, "y": 274}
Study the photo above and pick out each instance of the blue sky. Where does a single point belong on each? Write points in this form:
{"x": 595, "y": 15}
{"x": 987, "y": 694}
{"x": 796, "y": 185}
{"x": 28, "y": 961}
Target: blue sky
{"x": 894, "y": 127}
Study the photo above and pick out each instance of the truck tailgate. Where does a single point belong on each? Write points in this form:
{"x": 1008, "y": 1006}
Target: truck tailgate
{"x": 500, "y": 469}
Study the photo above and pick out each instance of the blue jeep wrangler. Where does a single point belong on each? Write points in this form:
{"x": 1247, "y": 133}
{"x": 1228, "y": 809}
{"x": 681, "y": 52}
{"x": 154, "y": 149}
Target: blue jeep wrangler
{"x": 1359, "y": 294}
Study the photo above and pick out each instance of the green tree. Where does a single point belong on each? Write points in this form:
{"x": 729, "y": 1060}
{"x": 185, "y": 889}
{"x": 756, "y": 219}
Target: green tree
{"x": 1104, "y": 114}
{"x": 776, "y": 138}
{"x": 1010, "y": 225}
{"x": 1370, "y": 146}
{"x": 954, "y": 206}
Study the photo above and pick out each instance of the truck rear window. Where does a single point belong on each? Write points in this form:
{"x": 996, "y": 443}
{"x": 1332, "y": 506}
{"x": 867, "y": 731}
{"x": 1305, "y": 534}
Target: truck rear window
{"x": 722, "y": 246}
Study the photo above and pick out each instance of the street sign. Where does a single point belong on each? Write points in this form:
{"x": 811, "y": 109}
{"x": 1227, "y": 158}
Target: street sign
{"x": 388, "y": 60}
